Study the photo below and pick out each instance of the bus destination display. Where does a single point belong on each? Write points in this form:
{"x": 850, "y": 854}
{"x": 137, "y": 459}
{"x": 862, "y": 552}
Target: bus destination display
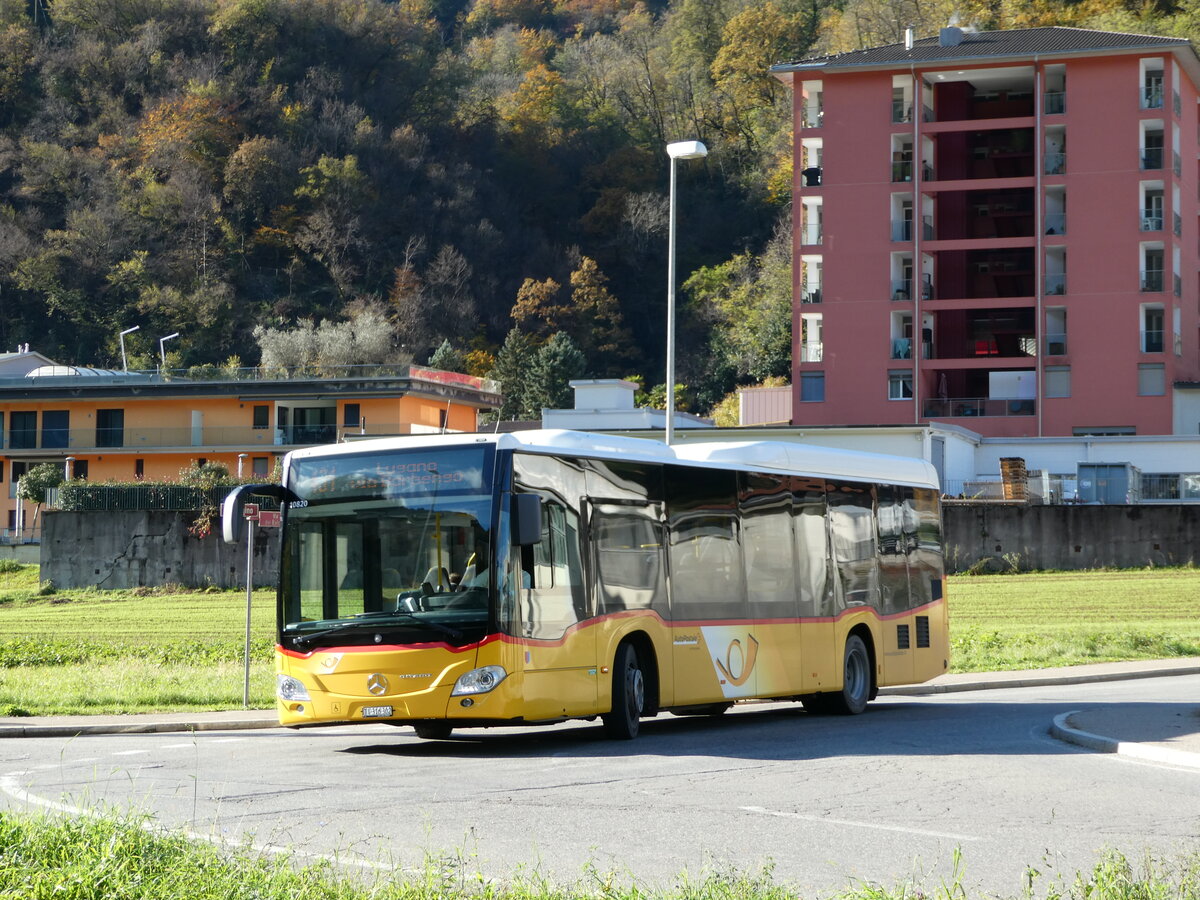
{"x": 391, "y": 475}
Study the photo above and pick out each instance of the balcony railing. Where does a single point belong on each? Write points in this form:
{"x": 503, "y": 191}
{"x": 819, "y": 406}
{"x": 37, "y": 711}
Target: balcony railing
{"x": 901, "y": 348}
{"x": 1055, "y": 103}
{"x": 1152, "y": 281}
{"x": 1152, "y": 220}
{"x": 927, "y": 228}
{"x": 1056, "y": 223}
{"x": 83, "y": 439}
{"x": 1056, "y": 345}
{"x": 901, "y": 111}
{"x": 812, "y": 351}
{"x": 1177, "y": 224}
{"x": 1056, "y": 283}
{"x": 811, "y": 116}
{"x": 901, "y": 289}
{"x": 902, "y": 170}
{"x": 810, "y": 234}
{"x": 1177, "y": 285}
{"x": 810, "y": 295}
{"x": 1152, "y": 158}
{"x": 1055, "y": 163}
{"x": 1152, "y": 340}
{"x": 974, "y": 407}
{"x": 1152, "y": 97}
{"x": 902, "y": 231}
{"x": 1176, "y": 162}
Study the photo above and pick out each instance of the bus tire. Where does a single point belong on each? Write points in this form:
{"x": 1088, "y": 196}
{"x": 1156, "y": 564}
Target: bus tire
{"x": 856, "y": 679}
{"x": 628, "y": 695}
{"x": 433, "y": 731}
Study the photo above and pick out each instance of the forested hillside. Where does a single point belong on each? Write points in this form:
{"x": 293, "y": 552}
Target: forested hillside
{"x": 483, "y": 176}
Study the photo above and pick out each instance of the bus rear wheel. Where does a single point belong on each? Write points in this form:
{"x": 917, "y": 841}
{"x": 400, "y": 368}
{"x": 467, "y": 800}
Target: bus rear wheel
{"x": 628, "y": 695}
{"x": 857, "y": 685}
{"x": 433, "y": 731}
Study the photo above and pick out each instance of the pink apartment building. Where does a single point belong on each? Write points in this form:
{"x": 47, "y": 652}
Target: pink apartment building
{"x": 997, "y": 230}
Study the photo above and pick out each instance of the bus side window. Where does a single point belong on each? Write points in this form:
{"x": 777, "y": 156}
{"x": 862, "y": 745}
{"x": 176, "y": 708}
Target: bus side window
{"x": 627, "y": 549}
{"x": 552, "y": 600}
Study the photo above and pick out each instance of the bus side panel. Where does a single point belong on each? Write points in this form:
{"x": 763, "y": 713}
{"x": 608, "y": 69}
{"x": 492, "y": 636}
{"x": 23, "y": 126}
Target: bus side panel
{"x": 560, "y": 676}
{"x": 645, "y": 629}
{"x": 818, "y": 645}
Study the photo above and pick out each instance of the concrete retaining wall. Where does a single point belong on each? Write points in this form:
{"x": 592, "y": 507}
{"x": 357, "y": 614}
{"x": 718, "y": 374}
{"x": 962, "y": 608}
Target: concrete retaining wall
{"x": 1071, "y": 537}
{"x": 141, "y": 547}
{"x": 130, "y": 549}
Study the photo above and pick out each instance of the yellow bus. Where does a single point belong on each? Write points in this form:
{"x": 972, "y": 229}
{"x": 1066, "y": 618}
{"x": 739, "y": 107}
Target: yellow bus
{"x": 473, "y": 580}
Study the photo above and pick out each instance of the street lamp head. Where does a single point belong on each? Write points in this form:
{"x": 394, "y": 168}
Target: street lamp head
{"x": 686, "y": 150}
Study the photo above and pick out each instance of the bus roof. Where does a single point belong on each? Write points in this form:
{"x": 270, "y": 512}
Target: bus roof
{"x": 802, "y": 459}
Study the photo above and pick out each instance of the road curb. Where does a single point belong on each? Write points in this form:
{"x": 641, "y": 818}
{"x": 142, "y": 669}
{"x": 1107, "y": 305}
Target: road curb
{"x": 1061, "y": 729}
{"x": 924, "y": 690}
{"x": 153, "y": 727}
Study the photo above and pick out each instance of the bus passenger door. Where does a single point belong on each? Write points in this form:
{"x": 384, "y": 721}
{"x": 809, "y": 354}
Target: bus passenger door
{"x": 559, "y": 653}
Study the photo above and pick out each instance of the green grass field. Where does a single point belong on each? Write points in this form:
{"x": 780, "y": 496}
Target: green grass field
{"x": 147, "y": 650}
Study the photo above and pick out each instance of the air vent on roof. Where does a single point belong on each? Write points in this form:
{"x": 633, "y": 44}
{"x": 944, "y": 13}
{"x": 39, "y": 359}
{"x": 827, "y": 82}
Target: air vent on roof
{"x": 950, "y": 37}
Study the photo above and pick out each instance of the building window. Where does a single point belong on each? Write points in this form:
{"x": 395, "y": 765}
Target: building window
{"x": 900, "y": 384}
{"x": 1058, "y": 381}
{"x": 22, "y": 430}
{"x": 1152, "y": 329}
{"x": 56, "y": 432}
{"x": 110, "y": 428}
{"x": 443, "y": 418}
{"x": 262, "y": 417}
{"x": 259, "y": 466}
{"x": 139, "y": 469}
{"x": 1, "y": 471}
{"x": 1103, "y": 430}
{"x": 15, "y": 474}
{"x": 812, "y": 387}
{"x": 1152, "y": 380}
{"x": 79, "y": 470}
{"x": 351, "y": 414}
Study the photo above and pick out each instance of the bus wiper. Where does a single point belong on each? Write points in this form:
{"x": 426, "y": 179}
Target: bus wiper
{"x": 306, "y": 640}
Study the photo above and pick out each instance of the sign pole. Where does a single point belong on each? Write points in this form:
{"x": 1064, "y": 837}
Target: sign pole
{"x": 251, "y": 514}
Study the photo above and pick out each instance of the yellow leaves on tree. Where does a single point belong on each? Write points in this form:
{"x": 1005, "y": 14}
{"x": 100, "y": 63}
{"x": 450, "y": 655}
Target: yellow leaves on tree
{"x": 533, "y": 106}
{"x": 191, "y": 127}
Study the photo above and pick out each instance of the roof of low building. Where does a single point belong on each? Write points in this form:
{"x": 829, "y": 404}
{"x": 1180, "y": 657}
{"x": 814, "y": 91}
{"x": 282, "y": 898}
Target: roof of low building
{"x": 1012, "y": 43}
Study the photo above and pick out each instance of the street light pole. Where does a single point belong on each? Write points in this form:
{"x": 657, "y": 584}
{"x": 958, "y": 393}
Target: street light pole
{"x": 162, "y": 354}
{"x": 124, "y": 364}
{"x": 677, "y": 150}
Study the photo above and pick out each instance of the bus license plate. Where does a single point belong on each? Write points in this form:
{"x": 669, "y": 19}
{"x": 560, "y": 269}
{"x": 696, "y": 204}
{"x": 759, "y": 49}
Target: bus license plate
{"x": 376, "y": 712}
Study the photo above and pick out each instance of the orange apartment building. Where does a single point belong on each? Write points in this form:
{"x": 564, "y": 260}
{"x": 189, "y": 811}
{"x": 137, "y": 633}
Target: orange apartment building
{"x": 127, "y": 426}
{"x": 998, "y": 230}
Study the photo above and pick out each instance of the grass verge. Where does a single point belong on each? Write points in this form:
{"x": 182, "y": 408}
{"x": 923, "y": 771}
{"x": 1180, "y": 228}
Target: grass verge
{"x": 43, "y": 856}
{"x": 170, "y": 649}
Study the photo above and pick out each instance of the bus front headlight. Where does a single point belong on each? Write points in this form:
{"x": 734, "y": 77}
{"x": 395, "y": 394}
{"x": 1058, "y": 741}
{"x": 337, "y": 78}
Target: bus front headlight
{"x": 290, "y": 689}
{"x": 479, "y": 681}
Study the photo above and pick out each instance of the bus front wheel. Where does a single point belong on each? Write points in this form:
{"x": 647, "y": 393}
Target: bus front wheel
{"x": 628, "y": 695}
{"x": 433, "y": 731}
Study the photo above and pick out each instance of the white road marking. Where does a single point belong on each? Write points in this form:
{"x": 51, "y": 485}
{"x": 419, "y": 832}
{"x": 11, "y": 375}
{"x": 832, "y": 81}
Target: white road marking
{"x": 9, "y": 785}
{"x": 826, "y": 820}
{"x": 225, "y": 740}
{"x": 129, "y": 752}
{"x": 177, "y": 746}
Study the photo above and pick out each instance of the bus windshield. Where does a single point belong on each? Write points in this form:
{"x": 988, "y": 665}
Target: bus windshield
{"x": 389, "y": 548}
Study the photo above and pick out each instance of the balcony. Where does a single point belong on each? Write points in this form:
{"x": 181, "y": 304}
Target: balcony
{"x": 1177, "y": 224}
{"x": 1152, "y": 97}
{"x": 1177, "y": 285}
{"x": 810, "y": 295}
{"x": 1152, "y": 281}
{"x": 927, "y": 228}
{"x": 1055, "y": 163}
{"x": 810, "y": 233}
{"x": 1152, "y": 220}
{"x": 1054, "y": 103}
{"x": 81, "y": 439}
{"x": 902, "y": 170}
{"x": 902, "y": 289}
{"x": 1152, "y": 340}
{"x": 811, "y": 115}
{"x": 901, "y": 348}
{"x": 812, "y": 351}
{"x": 1056, "y": 345}
{"x": 902, "y": 231}
{"x": 1176, "y": 162}
{"x": 1056, "y": 223}
{"x": 976, "y": 407}
{"x": 901, "y": 111}
{"x": 1056, "y": 283}
{"x": 1152, "y": 158}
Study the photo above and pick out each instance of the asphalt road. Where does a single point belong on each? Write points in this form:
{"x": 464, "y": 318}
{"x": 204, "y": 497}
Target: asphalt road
{"x": 826, "y": 802}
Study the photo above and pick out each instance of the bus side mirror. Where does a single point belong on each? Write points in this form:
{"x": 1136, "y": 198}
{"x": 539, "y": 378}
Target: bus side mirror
{"x": 526, "y": 519}
{"x": 235, "y": 502}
